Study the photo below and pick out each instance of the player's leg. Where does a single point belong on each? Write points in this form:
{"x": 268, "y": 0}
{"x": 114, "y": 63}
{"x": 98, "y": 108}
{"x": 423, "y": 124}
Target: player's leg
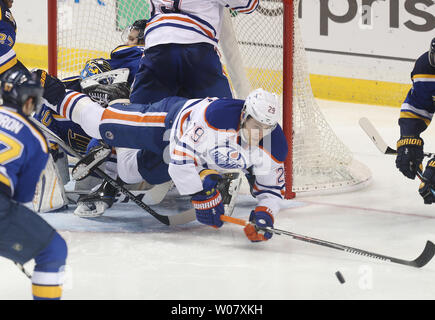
{"x": 24, "y": 235}
{"x": 203, "y": 74}
{"x": 156, "y": 77}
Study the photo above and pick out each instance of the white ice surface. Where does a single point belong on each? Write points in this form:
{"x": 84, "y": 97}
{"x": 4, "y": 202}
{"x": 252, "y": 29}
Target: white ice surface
{"x": 127, "y": 254}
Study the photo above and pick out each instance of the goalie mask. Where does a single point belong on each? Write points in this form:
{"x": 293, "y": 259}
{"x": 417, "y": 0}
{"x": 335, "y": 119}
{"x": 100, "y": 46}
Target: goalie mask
{"x": 432, "y": 53}
{"x": 95, "y": 66}
{"x": 108, "y": 86}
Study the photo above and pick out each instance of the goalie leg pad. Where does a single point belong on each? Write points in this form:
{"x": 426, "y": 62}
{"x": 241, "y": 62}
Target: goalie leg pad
{"x": 50, "y": 193}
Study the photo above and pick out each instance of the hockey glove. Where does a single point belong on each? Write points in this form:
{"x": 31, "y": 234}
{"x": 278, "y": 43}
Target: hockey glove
{"x": 54, "y": 89}
{"x": 208, "y": 203}
{"x": 426, "y": 186}
{"x": 409, "y": 155}
{"x": 260, "y": 217}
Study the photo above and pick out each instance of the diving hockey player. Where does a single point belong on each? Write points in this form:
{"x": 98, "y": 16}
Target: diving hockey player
{"x": 199, "y": 139}
{"x": 415, "y": 115}
{"x": 24, "y": 235}
{"x": 181, "y": 39}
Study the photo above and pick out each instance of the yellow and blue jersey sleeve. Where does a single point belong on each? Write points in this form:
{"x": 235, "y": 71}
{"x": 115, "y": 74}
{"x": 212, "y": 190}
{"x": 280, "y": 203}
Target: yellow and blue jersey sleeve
{"x": 419, "y": 106}
{"x": 23, "y": 155}
{"x": 127, "y": 57}
{"x": 8, "y": 29}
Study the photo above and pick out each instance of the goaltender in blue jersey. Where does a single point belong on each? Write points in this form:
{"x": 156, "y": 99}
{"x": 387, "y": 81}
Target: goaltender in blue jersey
{"x": 415, "y": 116}
{"x": 127, "y": 56}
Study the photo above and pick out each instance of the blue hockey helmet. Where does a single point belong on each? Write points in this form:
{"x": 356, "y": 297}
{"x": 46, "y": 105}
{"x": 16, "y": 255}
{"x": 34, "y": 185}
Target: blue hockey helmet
{"x": 95, "y": 66}
{"x": 432, "y": 53}
{"x": 16, "y": 86}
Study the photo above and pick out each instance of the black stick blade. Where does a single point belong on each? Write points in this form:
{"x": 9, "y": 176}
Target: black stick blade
{"x": 425, "y": 256}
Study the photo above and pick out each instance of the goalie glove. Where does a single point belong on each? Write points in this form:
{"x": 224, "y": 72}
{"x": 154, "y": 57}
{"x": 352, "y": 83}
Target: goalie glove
{"x": 409, "y": 155}
{"x": 208, "y": 203}
{"x": 260, "y": 217}
{"x": 426, "y": 186}
{"x": 103, "y": 94}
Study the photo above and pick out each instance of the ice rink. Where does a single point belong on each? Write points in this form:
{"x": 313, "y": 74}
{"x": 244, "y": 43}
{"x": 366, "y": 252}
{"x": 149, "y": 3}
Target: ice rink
{"x": 127, "y": 254}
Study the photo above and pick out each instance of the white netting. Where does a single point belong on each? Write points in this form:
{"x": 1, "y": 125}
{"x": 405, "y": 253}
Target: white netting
{"x": 91, "y": 29}
{"x": 321, "y": 161}
{"x": 253, "y": 56}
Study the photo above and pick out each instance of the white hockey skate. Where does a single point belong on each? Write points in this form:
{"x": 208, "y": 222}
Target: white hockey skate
{"x": 95, "y": 204}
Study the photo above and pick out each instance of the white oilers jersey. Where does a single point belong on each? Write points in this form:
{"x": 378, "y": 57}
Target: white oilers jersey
{"x": 190, "y": 21}
{"x": 205, "y": 134}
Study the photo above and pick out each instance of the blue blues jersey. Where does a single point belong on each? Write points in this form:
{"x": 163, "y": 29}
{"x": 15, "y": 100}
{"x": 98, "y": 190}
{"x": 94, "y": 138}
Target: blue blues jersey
{"x": 419, "y": 106}
{"x": 128, "y": 57}
{"x": 70, "y": 132}
{"x": 23, "y": 155}
{"x": 8, "y": 28}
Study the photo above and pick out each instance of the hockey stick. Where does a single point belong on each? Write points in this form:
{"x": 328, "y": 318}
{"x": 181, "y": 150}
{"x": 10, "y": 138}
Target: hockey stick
{"x": 374, "y": 135}
{"x": 420, "y": 261}
{"x": 181, "y": 218}
{"x": 21, "y": 267}
{"x": 382, "y": 146}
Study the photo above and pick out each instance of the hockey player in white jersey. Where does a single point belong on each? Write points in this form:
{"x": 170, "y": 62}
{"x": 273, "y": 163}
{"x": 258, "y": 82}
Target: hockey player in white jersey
{"x": 181, "y": 58}
{"x": 207, "y": 137}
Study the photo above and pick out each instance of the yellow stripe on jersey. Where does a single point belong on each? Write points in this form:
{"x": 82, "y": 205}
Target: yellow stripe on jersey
{"x": 125, "y": 47}
{"x": 427, "y": 76}
{"x": 47, "y": 292}
{"x": 5, "y": 180}
{"x": 8, "y": 65}
{"x": 36, "y": 133}
{"x": 410, "y": 115}
{"x": 13, "y": 150}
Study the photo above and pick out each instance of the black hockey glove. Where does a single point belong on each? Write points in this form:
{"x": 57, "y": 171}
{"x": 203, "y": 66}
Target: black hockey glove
{"x": 409, "y": 155}
{"x": 428, "y": 183}
{"x": 54, "y": 89}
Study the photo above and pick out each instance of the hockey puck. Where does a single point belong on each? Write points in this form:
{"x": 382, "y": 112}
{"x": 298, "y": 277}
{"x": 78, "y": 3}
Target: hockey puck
{"x": 340, "y": 277}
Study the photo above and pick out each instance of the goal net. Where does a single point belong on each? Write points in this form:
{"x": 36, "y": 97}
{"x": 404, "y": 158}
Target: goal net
{"x": 263, "y": 49}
